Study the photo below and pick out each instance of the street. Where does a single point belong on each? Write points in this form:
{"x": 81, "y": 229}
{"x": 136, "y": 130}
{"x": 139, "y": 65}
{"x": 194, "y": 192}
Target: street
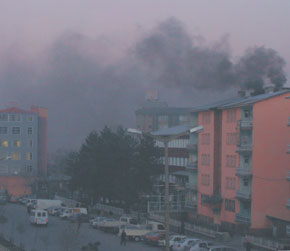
{"x": 58, "y": 235}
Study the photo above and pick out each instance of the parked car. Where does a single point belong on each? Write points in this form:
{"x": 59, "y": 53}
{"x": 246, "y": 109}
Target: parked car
{"x": 173, "y": 239}
{"x": 185, "y": 244}
{"x": 153, "y": 238}
{"x": 94, "y": 222}
{"x": 38, "y": 217}
{"x": 221, "y": 248}
{"x": 83, "y": 218}
{"x": 202, "y": 246}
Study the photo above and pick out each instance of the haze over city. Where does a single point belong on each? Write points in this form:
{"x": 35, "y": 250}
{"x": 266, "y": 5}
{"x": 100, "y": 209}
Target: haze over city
{"x": 92, "y": 62}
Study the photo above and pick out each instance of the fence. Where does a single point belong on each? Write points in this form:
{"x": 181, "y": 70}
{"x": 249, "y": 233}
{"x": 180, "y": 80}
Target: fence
{"x": 108, "y": 209}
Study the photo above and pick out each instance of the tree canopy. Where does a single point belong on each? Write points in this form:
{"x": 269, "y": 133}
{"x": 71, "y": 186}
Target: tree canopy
{"x": 114, "y": 166}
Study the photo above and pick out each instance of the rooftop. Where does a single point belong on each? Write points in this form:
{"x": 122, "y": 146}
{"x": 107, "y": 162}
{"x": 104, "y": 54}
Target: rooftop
{"x": 15, "y": 110}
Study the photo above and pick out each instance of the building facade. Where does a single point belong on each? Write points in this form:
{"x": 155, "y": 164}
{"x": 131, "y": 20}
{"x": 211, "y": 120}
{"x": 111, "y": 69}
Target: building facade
{"x": 23, "y": 148}
{"x": 243, "y": 162}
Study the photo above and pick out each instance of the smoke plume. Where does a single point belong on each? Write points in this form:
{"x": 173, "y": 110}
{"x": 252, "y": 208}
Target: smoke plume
{"x": 84, "y": 89}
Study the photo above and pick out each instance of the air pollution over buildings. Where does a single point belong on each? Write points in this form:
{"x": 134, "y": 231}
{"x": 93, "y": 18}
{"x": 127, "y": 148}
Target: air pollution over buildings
{"x": 85, "y": 91}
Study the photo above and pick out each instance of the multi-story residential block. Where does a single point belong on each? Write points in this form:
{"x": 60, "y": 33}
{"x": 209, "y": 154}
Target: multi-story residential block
{"x": 23, "y": 147}
{"x": 243, "y": 162}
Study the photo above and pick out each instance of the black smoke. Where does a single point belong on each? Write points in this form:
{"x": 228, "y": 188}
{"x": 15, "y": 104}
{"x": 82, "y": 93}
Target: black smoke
{"x": 85, "y": 90}
{"x": 182, "y": 61}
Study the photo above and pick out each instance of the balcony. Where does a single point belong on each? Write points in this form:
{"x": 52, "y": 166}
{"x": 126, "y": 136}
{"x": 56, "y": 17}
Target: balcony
{"x": 192, "y": 165}
{"x": 243, "y": 218}
{"x": 244, "y": 148}
{"x": 191, "y": 186}
{"x": 190, "y": 205}
{"x": 212, "y": 199}
{"x": 244, "y": 195}
{"x": 244, "y": 172}
{"x": 246, "y": 124}
{"x": 192, "y": 147}
{"x": 288, "y": 204}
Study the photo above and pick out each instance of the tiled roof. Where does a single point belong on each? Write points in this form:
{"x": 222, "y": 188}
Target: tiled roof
{"x": 15, "y": 110}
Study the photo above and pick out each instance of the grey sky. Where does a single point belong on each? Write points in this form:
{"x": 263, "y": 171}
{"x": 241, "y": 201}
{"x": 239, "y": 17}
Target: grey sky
{"x": 34, "y": 23}
{"x": 77, "y": 57}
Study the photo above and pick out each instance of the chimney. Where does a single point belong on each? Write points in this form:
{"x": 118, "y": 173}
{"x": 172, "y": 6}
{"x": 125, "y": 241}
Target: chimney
{"x": 269, "y": 89}
{"x": 241, "y": 93}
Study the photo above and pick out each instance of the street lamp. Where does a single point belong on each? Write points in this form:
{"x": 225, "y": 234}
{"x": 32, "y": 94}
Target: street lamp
{"x": 165, "y": 136}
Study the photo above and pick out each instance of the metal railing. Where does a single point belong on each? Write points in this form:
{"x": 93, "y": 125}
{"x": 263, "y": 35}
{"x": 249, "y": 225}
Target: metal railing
{"x": 192, "y": 147}
{"x": 241, "y": 218}
{"x": 192, "y": 165}
{"x": 242, "y": 147}
{"x": 244, "y": 194}
{"x": 246, "y": 124}
{"x": 107, "y": 208}
{"x": 263, "y": 243}
{"x": 191, "y": 186}
{"x": 242, "y": 171}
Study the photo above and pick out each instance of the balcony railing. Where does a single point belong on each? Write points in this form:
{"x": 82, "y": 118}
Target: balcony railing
{"x": 244, "y": 195}
{"x": 192, "y": 165}
{"x": 191, "y": 186}
{"x": 244, "y": 172}
{"x": 244, "y": 148}
{"x": 288, "y": 204}
{"x": 192, "y": 147}
{"x": 190, "y": 204}
{"x": 246, "y": 124}
{"x": 243, "y": 218}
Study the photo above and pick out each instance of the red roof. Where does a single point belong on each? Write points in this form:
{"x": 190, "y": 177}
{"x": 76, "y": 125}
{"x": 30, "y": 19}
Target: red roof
{"x": 15, "y": 110}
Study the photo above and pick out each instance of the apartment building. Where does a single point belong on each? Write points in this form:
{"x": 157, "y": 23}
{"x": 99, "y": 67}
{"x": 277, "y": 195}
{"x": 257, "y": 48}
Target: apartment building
{"x": 243, "y": 162}
{"x": 154, "y": 116}
{"x": 23, "y": 148}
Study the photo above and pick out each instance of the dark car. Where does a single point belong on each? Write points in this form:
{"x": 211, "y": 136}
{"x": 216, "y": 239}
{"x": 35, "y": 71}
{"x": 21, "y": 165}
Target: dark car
{"x": 152, "y": 238}
{"x": 83, "y": 218}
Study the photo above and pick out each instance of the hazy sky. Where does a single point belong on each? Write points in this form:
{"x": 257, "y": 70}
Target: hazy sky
{"x": 31, "y": 29}
{"x": 248, "y": 22}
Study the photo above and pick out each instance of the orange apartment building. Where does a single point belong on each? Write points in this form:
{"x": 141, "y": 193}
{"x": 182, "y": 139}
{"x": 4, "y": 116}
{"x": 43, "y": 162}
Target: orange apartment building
{"x": 243, "y": 162}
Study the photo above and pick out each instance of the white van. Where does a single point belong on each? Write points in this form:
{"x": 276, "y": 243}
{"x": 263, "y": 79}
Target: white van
{"x": 38, "y": 217}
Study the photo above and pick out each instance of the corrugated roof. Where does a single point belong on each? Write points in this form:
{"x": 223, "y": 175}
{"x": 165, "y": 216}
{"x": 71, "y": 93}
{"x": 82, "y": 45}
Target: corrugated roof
{"x": 253, "y": 99}
{"x": 238, "y": 101}
{"x": 163, "y": 111}
{"x": 15, "y": 110}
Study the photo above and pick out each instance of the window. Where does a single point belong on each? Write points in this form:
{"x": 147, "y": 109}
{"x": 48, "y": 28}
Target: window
{"x": 230, "y": 183}
{"x": 247, "y": 160}
{"x": 30, "y": 118}
{"x": 247, "y": 113}
{"x": 205, "y": 139}
{"x": 231, "y": 160}
{"x": 14, "y": 117}
{"x": 206, "y": 117}
{"x": 15, "y": 130}
{"x": 231, "y": 116}
{"x": 205, "y": 159}
{"x": 5, "y": 143}
{"x": 205, "y": 179}
{"x": 3, "y": 130}
{"x": 246, "y": 182}
{"x": 29, "y": 156}
{"x": 3, "y": 117}
{"x": 30, "y": 143}
{"x": 232, "y": 138}
{"x": 29, "y": 169}
{"x": 204, "y": 198}
{"x": 16, "y": 156}
{"x": 16, "y": 143}
{"x": 29, "y": 130}
{"x": 230, "y": 205}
